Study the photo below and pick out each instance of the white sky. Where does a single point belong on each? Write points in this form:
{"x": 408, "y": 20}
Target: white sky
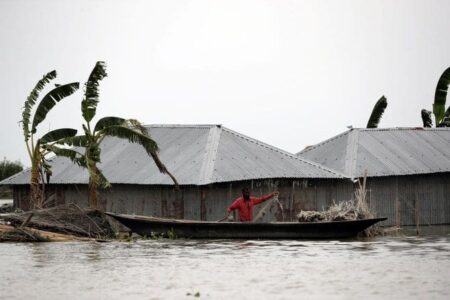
{"x": 289, "y": 73}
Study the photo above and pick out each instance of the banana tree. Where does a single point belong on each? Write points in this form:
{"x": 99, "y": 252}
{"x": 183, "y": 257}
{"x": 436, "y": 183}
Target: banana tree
{"x": 377, "y": 113}
{"x": 128, "y": 129}
{"x": 37, "y": 148}
{"x": 441, "y": 116}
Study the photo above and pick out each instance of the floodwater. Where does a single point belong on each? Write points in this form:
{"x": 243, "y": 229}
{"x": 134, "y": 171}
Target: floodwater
{"x": 395, "y": 267}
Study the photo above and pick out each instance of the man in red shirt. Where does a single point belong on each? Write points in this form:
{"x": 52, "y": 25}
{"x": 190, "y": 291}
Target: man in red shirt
{"x": 245, "y": 204}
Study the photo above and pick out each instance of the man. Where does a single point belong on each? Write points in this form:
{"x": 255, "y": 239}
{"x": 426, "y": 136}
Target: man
{"x": 245, "y": 204}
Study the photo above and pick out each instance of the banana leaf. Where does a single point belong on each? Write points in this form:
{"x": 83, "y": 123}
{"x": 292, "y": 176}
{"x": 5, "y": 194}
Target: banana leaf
{"x": 91, "y": 94}
{"x": 31, "y": 100}
{"x": 377, "y": 113}
{"x": 440, "y": 96}
{"x": 50, "y": 100}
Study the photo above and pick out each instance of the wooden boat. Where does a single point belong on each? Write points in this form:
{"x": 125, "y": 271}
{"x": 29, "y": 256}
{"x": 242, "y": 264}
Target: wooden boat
{"x": 151, "y": 226}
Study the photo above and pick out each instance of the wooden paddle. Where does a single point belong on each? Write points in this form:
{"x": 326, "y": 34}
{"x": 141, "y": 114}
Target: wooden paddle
{"x": 223, "y": 219}
{"x": 226, "y": 217}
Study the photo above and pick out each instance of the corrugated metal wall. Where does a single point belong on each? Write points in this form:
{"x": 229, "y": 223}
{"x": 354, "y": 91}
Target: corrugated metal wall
{"x": 405, "y": 200}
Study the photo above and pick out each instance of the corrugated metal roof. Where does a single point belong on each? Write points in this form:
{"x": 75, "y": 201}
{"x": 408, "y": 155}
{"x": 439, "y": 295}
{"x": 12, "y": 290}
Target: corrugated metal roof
{"x": 195, "y": 155}
{"x": 384, "y": 152}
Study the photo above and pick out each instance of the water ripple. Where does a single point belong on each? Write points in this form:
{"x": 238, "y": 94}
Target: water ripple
{"x": 393, "y": 267}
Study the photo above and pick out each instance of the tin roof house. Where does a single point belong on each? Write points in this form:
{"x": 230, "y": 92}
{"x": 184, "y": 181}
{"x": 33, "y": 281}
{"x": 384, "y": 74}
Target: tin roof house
{"x": 408, "y": 170}
{"x": 211, "y": 163}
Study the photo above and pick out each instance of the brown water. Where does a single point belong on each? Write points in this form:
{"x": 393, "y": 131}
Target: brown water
{"x": 389, "y": 267}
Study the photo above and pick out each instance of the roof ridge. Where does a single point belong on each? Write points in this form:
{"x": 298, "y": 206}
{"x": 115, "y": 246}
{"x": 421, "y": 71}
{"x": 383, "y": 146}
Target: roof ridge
{"x": 284, "y": 152}
{"x": 209, "y": 158}
{"x": 184, "y": 125}
{"x": 351, "y": 153}
{"x": 404, "y": 128}
{"x": 309, "y": 148}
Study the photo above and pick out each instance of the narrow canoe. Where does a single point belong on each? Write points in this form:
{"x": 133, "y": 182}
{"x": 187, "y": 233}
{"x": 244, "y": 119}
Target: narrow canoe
{"x": 148, "y": 226}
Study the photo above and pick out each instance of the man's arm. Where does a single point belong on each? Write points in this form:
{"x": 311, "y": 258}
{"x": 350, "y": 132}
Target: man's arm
{"x": 264, "y": 198}
{"x": 233, "y": 206}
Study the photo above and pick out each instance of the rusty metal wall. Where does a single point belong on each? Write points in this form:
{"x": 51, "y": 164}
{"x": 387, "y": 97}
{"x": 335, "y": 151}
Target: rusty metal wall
{"x": 405, "y": 200}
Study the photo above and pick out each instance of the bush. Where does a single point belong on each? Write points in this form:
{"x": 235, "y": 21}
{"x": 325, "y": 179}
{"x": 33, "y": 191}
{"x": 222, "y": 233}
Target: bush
{"x": 9, "y": 168}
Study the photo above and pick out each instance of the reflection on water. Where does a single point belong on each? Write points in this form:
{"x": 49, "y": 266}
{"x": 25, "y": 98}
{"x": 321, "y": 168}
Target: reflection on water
{"x": 393, "y": 267}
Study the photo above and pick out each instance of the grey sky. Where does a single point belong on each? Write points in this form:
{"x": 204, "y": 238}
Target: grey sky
{"x": 290, "y": 73}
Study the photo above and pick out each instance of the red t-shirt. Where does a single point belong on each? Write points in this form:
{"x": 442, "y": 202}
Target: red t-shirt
{"x": 246, "y": 207}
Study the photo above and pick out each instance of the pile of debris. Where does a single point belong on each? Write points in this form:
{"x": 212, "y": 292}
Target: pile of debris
{"x": 66, "y": 219}
{"x": 357, "y": 209}
{"x": 342, "y": 211}
{"x": 19, "y": 234}
{"x": 6, "y": 208}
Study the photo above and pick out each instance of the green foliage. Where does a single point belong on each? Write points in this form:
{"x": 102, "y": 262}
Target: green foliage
{"x": 156, "y": 236}
{"x": 108, "y": 121}
{"x": 132, "y": 136}
{"x": 171, "y": 234}
{"x": 426, "y": 118}
{"x": 75, "y": 156}
{"x": 377, "y": 113}
{"x": 440, "y": 96}
{"x": 131, "y": 130}
{"x": 9, "y": 168}
{"x": 39, "y": 148}
{"x": 50, "y": 100}
{"x": 91, "y": 93}
{"x": 31, "y": 100}
{"x": 441, "y": 115}
{"x": 57, "y": 134}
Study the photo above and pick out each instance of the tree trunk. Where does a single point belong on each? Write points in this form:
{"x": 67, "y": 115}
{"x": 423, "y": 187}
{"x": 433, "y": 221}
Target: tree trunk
{"x": 93, "y": 201}
{"x": 36, "y": 199}
{"x": 93, "y": 185}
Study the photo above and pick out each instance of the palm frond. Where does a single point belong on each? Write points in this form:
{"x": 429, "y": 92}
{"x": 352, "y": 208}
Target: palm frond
{"x": 91, "y": 93}
{"x": 446, "y": 120}
{"x": 132, "y": 136}
{"x": 377, "y": 113}
{"x": 426, "y": 118}
{"x": 47, "y": 168}
{"x": 138, "y": 126}
{"x": 440, "y": 96}
{"x": 71, "y": 154}
{"x": 102, "y": 181}
{"x": 108, "y": 121}
{"x": 74, "y": 141}
{"x": 31, "y": 100}
{"x": 162, "y": 168}
{"x": 58, "y": 134}
{"x": 50, "y": 100}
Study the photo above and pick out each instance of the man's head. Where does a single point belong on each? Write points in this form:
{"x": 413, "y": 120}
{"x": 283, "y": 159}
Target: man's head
{"x": 245, "y": 194}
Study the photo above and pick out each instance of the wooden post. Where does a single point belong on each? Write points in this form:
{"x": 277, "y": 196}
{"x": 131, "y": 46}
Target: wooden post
{"x": 291, "y": 205}
{"x": 163, "y": 205}
{"x": 417, "y": 212}
{"x": 203, "y": 206}
{"x": 397, "y": 204}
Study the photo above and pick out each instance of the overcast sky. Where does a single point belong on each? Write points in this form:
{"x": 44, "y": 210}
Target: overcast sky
{"x": 289, "y": 73}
